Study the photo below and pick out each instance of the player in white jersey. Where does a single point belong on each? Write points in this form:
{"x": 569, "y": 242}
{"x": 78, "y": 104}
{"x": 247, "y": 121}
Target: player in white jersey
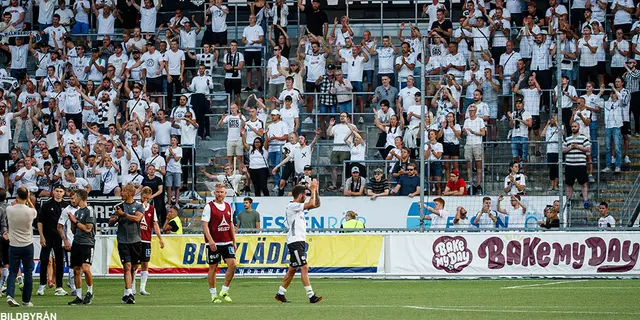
{"x": 64, "y": 230}
{"x": 296, "y": 239}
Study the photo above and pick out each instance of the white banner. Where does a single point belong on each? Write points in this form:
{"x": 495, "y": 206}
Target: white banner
{"x": 386, "y": 212}
{"x": 98, "y": 266}
{"x": 495, "y": 254}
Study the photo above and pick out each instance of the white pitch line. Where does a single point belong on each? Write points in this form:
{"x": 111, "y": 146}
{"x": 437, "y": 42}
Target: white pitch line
{"x": 521, "y": 311}
{"x": 542, "y": 284}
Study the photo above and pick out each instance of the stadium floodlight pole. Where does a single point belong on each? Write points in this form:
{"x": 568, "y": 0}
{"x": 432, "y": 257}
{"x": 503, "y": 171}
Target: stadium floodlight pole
{"x": 421, "y": 132}
{"x": 559, "y": 96}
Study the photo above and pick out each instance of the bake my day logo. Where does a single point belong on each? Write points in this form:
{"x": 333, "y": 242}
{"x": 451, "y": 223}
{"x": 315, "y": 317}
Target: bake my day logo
{"x": 451, "y": 254}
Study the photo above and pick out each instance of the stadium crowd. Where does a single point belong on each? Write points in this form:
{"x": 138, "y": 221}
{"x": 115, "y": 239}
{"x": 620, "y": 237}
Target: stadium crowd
{"x": 92, "y": 114}
{"x": 83, "y": 108}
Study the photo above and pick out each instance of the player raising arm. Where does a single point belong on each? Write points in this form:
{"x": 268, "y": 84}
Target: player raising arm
{"x": 296, "y": 239}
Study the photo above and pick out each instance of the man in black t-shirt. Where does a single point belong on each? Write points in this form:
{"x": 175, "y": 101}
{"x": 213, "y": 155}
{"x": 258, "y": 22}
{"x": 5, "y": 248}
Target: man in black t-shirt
{"x": 48, "y": 216}
{"x": 154, "y": 182}
{"x": 442, "y": 27}
{"x": 317, "y": 20}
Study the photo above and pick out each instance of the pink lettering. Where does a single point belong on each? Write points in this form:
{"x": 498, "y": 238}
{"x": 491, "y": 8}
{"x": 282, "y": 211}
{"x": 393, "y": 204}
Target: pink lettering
{"x": 562, "y": 253}
{"x": 544, "y": 249}
{"x": 514, "y": 250}
{"x": 578, "y": 255}
{"x": 492, "y": 248}
{"x": 614, "y": 250}
{"x": 528, "y": 257}
{"x": 598, "y": 250}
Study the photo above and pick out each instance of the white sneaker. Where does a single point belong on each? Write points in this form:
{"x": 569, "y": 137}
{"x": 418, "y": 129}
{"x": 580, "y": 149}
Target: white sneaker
{"x": 618, "y": 170}
{"x": 12, "y": 302}
{"x": 40, "y": 291}
{"x": 591, "y": 179}
{"x": 361, "y": 120}
{"x": 308, "y": 120}
{"x": 627, "y": 160}
{"x": 144, "y": 293}
{"x": 60, "y": 292}
{"x": 275, "y": 189}
{"x": 27, "y": 304}
{"x": 504, "y": 118}
{"x": 605, "y": 170}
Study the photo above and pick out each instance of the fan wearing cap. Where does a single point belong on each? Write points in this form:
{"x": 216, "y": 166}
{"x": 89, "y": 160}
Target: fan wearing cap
{"x": 153, "y": 64}
{"x": 456, "y": 186}
{"x": 355, "y": 185}
{"x": 96, "y": 66}
{"x": 377, "y": 185}
{"x": 133, "y": 68}
{"x": 119, "y": 61}
{"x": 328, "y": 100}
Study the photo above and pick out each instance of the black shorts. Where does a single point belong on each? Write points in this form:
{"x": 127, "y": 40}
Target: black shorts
{"x": 4, "y": 247}
{"x": 223, "y": 252}
{"x": 535, "y": 122}
{"x": 219, "y": 38}
{"x": 232, "y": 86}
{"x": 252, "y": 58}
{"x": 130, "y": 252}
{"x": 626, "y": 128}
{"x": 189, "y": 63}
{"x": 81, "y": 254}
{"x": 146, "y": 252}
{"x": 451, "y": 150}
{"x": 297, "y": 254}
{"x": 154, "y": 84}
{"x": 573, "y": 173}
{"x": 602, "y": 67}
{"x": 288, "y": 171}
{"x": 310, "y": 86}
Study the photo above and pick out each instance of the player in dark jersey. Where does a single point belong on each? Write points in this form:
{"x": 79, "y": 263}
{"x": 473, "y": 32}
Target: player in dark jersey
{"x": 296, "y": 239}
{"x": 219, "y": 236}
{"x": 83, "y": 226}
{"x": 148, "y": 222}
{"x": 128, "y": 215}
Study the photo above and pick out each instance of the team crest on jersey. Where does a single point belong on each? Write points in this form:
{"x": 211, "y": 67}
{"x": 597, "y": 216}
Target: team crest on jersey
{"x": 224, "y": 225}
{"x": 451, "y": 254}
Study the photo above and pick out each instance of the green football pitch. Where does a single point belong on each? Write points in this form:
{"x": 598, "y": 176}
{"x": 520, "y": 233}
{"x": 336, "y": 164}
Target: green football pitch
{"x": 359, "y": 299}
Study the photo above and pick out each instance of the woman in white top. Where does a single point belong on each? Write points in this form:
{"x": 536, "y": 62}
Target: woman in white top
{"x": 173, "y": 180}
{"x": 450, "y": 132}
{"x": 433, "y": 153}
{"x": 444, "y": 105}
{"x": 394, "y": 130}
{"x": 551, "y": 138}
{"x": 358, "y": 150}
{"x": 515, "y": 182}
{"x": 258, "y": 163}
{"x": 344, "y": 32}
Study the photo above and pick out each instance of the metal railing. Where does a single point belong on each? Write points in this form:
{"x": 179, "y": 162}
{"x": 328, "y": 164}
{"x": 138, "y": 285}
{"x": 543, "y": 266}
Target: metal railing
{"x": 631, "y": 206}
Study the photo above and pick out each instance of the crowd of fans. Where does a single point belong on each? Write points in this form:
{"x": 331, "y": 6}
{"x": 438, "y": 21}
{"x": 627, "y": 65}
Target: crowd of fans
{"x": 98, "y": 113}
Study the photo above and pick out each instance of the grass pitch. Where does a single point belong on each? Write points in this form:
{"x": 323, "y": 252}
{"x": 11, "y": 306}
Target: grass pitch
{"x": 358, "y": 299}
